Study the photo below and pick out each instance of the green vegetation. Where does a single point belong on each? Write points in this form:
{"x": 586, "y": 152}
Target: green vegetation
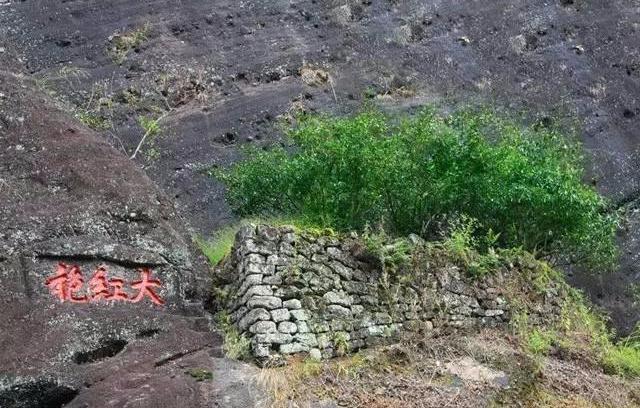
{"x": 122, "y": 44}
{"x": 580, "y": 331}
{"x": 420, "y": 174}
{"x": 235, "y": 345}
{"x": 93, "y": 120}
{"x": 150, "y": 126}
{"x": 200, "y": 374}
{"x": 539, "y": 341}
{"x": 340, "y": 343}
{"x": 622, "y": 360}
{"x": 218, "y": 246}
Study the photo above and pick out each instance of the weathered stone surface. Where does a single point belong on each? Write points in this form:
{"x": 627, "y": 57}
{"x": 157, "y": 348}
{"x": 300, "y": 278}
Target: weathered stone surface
{"x": 303, "y": 327}
{"x": 315, "y": 354}
{"x": 275, "y": 338}
{"x": 263, "y": 327}
{"x": 293, "y": 348}
{"x": 299, "y": 315}
{"x": 338, "y": 311}
{"x": 267, "y": 302}
{"x": 287, "y": 327}
{"x": 337, "y": 298}
{"x": 292, "y": 304}
{"x": 253, "y": 316}
{"x": 279, "y": 315}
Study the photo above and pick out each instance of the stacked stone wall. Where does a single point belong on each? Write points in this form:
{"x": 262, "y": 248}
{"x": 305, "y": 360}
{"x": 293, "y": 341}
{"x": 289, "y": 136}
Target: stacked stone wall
{"x": 293, "y": 292}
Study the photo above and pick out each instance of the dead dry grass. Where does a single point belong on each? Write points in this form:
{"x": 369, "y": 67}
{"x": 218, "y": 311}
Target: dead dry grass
{"x": 414, "y": 374}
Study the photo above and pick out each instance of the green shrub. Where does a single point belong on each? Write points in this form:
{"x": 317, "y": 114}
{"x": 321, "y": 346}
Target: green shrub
{"x": 403, "y": 173}
{"x": 539, "y": 342}
{"x": 150, "y": 125}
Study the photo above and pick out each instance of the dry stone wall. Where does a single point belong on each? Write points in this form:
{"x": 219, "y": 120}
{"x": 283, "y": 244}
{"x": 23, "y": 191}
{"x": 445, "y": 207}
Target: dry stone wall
{"x": 293, "y": 292}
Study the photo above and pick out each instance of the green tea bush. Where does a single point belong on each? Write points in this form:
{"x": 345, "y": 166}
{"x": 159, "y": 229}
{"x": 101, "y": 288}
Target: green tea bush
{"x": 346, "y": 173}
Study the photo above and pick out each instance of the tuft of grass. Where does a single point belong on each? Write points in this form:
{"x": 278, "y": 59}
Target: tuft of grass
{"x": 122, "y": 44}
{"x": 340, "y": 343}
{"x": 150, "y": 126}
{"x": 93, "y": 120}
{"x": 236, "y": 345}
{"x": 200, "y": 374}
{"x": 219, "y": 245}
{"x": 539, "y": 342}
{"x": 622, "y": 360}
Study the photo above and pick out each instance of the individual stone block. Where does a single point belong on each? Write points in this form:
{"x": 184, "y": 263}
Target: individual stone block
{"x": 493, "y": 312}
{"x": 253, "y": 316}
{"x": 258, "y": 290}
{"x": 357, "y": 310}
{"x": 354, "y": 287}
{"x": 263, "y": 327}
{"x": 280, "y": 315}
{"x": 287, "y": 327}
{"x": 372, "y": 331}
{"x": 358, "y": 275}
{"x": 251, "y": 246}
{"x": 337, "y": 298}
{"x": 324, "y": 341}
{"x": 253, "y": 258}
{"x": 259, "y": 269}
{"x": 315, "y": 354}
{"x": 308, "y": 339}
{"x": 303, "y": 327}
{"x": 337, "y": 311}
{"x": 289, "y": 238}
{"x": 267, "y": 302}
{"x": 341, "y": 325}
{"x": 292, "y": 304}
{"x": 366, "y": 321}
{"x": 249, "y": 281}
{"x": 369, "y": 300}
{"x": 275, "y": 338}
{"x": 246, "y": 232}
{"x": 357, "y": 344}
{"x": 292, "y": 348}
{"x": 319, "y": 326}
{"x": 344, "y": 272}
{"x": 272, "y": 280}
{"x": 299, "y": 315}
{"x": 260, "y": 350}
{"x": 382, "y": 318}
{"x": 267, "y": 232}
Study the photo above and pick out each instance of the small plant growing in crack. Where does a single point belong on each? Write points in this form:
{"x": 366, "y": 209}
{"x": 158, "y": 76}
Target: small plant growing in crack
{"x": 200, "y": 374}
{"x": 151, "y": 128}
{"x": 122, "y": 44}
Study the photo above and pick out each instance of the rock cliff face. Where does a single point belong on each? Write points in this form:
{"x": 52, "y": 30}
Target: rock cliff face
{"x": 293, "y": 292}
{"x": 229, "y": 70}
{"x": 67, "y": 197}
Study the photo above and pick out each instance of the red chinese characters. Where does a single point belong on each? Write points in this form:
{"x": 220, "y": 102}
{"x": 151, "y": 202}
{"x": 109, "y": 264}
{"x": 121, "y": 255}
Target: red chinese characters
{"x": 68, "y": 282}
